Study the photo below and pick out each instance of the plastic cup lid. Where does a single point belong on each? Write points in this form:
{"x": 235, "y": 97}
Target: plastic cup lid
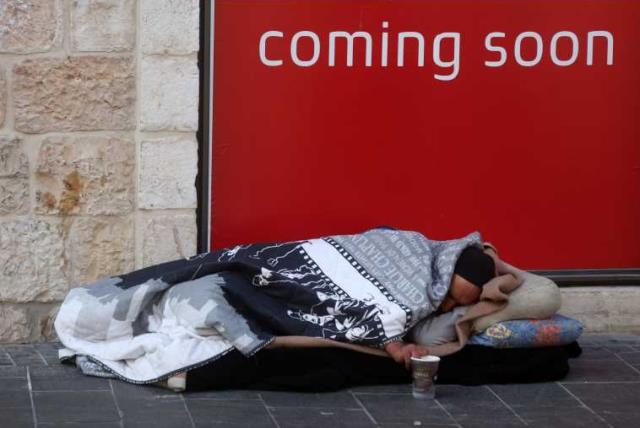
{"x": 427, "y": 358}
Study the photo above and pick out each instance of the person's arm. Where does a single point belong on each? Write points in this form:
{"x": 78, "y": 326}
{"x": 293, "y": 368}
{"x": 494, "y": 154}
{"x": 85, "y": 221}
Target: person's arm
{"x": 402, "y": 352}
{"x": 437, "y": 329}
{"x": 488, "y": 246}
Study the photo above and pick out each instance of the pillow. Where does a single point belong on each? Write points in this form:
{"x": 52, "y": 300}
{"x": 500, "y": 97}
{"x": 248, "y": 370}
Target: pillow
{"x": 537, "y": 297}
{"x": 555, "y": 331}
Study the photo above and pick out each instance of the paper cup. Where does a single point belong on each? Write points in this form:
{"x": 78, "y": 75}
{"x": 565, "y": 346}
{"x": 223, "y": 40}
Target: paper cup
{"x": 424, "y": 369}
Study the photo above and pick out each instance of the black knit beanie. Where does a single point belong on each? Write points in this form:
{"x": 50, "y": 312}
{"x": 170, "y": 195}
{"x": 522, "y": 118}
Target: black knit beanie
{"x": 475, "y": 266}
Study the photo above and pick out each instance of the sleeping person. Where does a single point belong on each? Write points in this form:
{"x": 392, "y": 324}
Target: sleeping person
{"x": 381, "y": 292}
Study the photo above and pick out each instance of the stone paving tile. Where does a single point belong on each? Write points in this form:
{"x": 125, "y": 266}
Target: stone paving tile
{"x": 547, "y": 405}
{"x": 75, "y": 406}
{"x": 49, "y": 352}
{"x": 535, "y": 395}
{"x": 15, "y": 403}
{"x": 632, "y": 358}
{"x": 222, "y": 395}
{"x": 21, "y": 417}
{"x": 603, "y": 352}
{"x": 48, "y": 348}
{"x": 80, "y": 425}
{"x": 229, "y": 413}
{"x": 25, "y": 355}
{"x": 560, "y": 417}
{"x": 601, "y": 370}
{"x": 5, "y": 360}
{"x": 403, "y": 409}
{"x": 145, "y": 406}
{"x": 165, "y": 415}
{"x": 17, "y": 349}
{"x": 320, "y": 417}
{"x": 14, "y": 399}
{"x": 412, "y": 425}
{"x": 128, "y": 392}
{"x": 617, "y": 403}
{"x": 334, "y": 400}
{"x": 404, "y": 388}
{"x": 610, "y": 338}
{"x": 36, "y": 361}
{"x": 13, "y": 371}
{"x": 64, "y": 378}
{"x": 14, "y": 384}
{"x": 493, "y": 423}
{"x": 470, "y": 405}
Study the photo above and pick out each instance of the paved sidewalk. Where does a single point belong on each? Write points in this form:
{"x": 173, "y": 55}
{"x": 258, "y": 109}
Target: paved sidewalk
{"x": 603, "y": 389}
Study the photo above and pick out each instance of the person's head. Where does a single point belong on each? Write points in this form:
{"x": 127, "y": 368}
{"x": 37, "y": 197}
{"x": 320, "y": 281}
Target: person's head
{"x": 473, "y": 269}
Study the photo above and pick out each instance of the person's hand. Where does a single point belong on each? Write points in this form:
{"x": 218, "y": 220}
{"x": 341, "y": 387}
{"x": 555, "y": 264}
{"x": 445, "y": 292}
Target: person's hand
{"x": 402, "y": 352}
{"x": 490, "y": 249}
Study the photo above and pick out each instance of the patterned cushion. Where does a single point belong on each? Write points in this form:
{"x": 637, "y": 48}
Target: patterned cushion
{"x": 529, "y": 333}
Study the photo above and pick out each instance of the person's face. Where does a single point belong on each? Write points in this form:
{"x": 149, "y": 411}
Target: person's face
{"x": 461, "y": 293}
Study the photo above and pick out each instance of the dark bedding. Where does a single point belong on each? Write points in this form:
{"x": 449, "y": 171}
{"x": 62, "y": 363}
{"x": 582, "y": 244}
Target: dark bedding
{"x": 330, "y": 369}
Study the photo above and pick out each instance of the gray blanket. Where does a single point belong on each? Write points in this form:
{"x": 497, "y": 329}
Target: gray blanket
{"x": 366, "y": 289}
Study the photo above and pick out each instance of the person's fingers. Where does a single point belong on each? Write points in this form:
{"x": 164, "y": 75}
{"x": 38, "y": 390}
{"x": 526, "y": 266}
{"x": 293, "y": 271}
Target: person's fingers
{"x": 407, "y": 356}
{"x": 422, "y": 351}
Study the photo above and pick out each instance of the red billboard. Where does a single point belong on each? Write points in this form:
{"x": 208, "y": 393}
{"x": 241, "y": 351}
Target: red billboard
{"x": 519, "y": 119}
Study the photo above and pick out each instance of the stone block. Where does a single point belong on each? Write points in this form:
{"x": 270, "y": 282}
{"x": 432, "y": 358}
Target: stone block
{"x": 14, "y": 325}
{"x": 168, "y": 237}
{"x": 103, "y": 25}
{"x": 74, "y": 94}
{"x": 28, "y": 26}
{"x": 169, "y": 26}
{"x": 46, "y": 321}
{"x": 13, "y": 160}
{"x": 99, "y": 247}
{"x": 3, "y": 97}
{"x": 14, "y": 196}
{"x": 75, "y": 407}
{"x": 168, "y": 171}
{"x": 33, "y": 266}
{"x": 85, "y": 175}
{"x": 169, "y": 94}
{"x": 603, "y": 309}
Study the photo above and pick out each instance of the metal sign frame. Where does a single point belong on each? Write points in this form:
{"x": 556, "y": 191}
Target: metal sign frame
{"x": 205, "y": 128}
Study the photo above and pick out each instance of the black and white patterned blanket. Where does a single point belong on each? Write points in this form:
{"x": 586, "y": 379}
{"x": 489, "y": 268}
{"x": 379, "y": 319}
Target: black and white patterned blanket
{"x": 366, "y": 289}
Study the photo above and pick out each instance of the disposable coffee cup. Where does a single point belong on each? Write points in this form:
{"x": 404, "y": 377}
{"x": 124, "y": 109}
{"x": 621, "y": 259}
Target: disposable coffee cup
{"x": 424, "y": 370}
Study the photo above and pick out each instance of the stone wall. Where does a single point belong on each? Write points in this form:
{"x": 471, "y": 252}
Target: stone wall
{"x": 98, "y": 156}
